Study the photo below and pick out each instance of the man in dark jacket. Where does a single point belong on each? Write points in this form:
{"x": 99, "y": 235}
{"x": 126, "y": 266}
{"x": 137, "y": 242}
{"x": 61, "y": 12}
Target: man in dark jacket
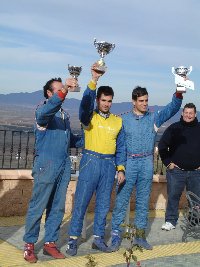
{"x": 179, "y": 149}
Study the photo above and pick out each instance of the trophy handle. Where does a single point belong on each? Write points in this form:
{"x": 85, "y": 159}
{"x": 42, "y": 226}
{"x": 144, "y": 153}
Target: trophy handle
{"x": 173, "y": 70}
{"x": 189, "y": 70}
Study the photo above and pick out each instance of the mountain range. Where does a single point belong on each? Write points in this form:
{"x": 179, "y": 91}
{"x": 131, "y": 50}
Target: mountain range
{"x": 18, "y": 109}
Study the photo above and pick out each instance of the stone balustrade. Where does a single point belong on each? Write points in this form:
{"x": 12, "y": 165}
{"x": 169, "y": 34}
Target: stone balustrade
{"x": 16, "y": 188}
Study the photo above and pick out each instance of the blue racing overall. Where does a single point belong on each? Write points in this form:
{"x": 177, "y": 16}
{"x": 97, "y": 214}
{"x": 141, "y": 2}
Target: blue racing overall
{"x": 51, "y": 170}
{"x": 140, "y": 132}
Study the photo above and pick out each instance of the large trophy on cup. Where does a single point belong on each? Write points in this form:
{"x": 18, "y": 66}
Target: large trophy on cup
{"x": 103, "y": 48}
{"x": 75, "y": 72}
{"x": 181, "y": 81}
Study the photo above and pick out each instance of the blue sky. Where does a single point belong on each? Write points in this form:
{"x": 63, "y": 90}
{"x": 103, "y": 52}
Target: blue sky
{"x": 39, "y": 38}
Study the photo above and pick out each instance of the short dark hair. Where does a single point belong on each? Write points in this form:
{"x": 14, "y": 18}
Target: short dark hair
{"x": 48, "y": 85}
{"x": 190, "y": 105}
{"x": 106, "y": 90}
{"x": 139, "y": 91}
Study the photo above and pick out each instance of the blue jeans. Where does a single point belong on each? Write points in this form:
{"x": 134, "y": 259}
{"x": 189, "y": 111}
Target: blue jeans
{"x": 51, "y": 179}
{"x": 97, "y": 173}
{"x": 177, "y": 179}
{"x": 139, "y": 173}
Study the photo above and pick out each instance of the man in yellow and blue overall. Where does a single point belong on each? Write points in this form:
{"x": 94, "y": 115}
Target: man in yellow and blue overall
{"x": 103, "y": 155}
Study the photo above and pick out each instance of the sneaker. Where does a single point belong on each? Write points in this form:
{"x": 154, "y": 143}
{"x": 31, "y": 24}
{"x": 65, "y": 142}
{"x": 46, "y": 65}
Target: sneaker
{"x": 168, "y": 226}
{"x": 99, "y": 244}
{"x": 142, "y": 242}
{"x": 116, "y": 241}
{"x": 71, "y": 247}
{"x": 29, "y": 254}
{"x": 50, "y": 249}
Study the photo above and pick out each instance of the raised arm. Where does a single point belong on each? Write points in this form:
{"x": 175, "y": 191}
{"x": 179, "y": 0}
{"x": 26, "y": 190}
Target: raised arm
{"x": 169, "y": 111}
{"x": 56, "y": 96}
{"x": 47, "y": 111}
{"x": 89, "y": 96}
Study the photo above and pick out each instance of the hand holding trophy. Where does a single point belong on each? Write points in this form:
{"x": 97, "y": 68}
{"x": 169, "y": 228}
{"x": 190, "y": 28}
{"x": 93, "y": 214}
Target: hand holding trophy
{"x": 103, "y": 48}
{"x": 74, "y": 72}
{"x": 181, "y": 79}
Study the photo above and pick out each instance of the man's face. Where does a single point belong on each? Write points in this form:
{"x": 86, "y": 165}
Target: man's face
{"x": 56, "y": 86}
{"x": 104, "y": 103}
{"x": 188, "y": 114}
{"x": 141, "y": 104}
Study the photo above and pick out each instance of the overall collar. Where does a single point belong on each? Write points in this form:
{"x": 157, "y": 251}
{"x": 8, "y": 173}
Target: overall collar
{"x": 137, "y": 117}
{"x": 104, "y": 115}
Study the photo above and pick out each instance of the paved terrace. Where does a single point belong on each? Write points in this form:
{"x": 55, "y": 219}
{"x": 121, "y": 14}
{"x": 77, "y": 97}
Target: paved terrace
{"x": 169, "y": 249}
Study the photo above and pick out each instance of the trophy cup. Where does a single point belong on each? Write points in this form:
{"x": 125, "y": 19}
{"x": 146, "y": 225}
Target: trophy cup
{"x": 181, "y": 81}
{"x": 75, "y": 72}
{"x": 103, "y": 48}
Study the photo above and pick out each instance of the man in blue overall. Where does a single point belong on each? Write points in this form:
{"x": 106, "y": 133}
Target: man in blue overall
{"x": 104, "y": 153}
{"x": 51, "y": 170}
{"x": 140, "y": 126}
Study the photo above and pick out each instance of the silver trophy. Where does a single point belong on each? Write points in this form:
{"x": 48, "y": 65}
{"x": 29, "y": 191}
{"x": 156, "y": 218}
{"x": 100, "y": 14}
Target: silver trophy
{"x": 75, "y": 72}
{"x": 181, "y": 81}
{"x": 103, "y": 48}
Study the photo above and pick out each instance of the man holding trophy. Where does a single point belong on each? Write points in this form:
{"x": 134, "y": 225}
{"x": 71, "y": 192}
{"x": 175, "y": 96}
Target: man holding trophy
{"x": 140, "y": 126}
{"x": 51, "y": 169}
{"x": 103, "y": 154}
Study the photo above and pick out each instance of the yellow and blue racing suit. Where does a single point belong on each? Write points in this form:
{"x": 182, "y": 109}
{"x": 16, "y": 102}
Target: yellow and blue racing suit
{"x": 104, "y": 153}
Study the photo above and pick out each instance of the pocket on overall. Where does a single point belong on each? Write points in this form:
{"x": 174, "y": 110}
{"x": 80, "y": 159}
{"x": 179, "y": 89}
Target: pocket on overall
{"x": 85, "y": 161}
{"x": 44, "y": 172}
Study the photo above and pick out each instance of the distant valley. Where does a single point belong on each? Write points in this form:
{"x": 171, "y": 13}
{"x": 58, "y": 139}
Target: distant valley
{"x": 17, "y": 110}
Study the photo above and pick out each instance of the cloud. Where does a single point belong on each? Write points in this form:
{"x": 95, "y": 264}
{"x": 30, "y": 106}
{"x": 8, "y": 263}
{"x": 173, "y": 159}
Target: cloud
{"x": 41, "y": 37}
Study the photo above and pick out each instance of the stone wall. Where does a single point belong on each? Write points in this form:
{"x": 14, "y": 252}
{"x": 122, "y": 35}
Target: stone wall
{"x": 16, "y": 188}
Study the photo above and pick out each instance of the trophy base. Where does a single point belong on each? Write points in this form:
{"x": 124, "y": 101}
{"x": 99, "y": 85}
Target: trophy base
{"x": 74, "y": 89}
{"x": 180, "y": 89}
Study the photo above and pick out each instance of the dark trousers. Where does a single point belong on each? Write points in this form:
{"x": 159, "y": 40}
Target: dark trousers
{"x": 177, "y": 179}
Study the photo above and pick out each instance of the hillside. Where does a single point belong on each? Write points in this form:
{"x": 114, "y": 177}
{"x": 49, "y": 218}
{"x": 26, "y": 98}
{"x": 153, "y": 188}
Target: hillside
{"x": 18, "y": 109}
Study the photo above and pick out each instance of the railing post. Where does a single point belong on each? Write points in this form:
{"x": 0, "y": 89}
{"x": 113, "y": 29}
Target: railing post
{"x": 4, "y": 148}
{"x": 27, "y": 149}
{"x": 19, "y": 150}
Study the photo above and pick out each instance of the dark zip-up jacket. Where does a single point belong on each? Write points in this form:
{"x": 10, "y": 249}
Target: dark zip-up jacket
{"x": 180, "y": 144}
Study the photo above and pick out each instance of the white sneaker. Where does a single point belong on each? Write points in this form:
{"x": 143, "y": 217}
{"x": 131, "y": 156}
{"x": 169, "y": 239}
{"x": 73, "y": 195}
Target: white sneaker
{"x": 168, "y": 226}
